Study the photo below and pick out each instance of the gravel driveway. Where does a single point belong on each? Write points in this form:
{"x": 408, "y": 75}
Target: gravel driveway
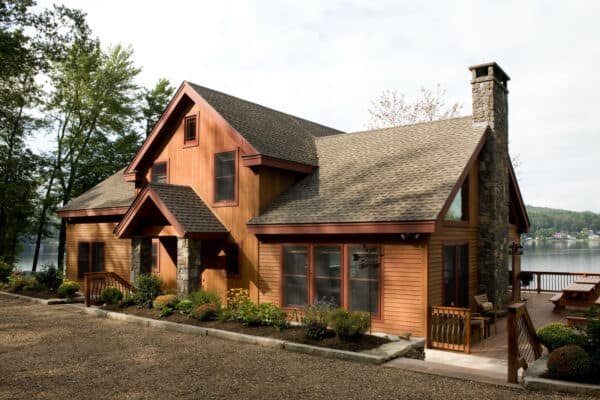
{"x": 51, "y": 352}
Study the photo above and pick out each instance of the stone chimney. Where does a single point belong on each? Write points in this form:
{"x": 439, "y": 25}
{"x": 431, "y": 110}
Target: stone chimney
{"x": 490, "y": 106}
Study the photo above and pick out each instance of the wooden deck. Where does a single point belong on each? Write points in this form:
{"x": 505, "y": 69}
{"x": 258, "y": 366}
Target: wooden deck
{"x": 541, "y": 312}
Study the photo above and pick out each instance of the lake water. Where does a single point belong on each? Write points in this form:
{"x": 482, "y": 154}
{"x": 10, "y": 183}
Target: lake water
{"x": 48, "y": 255}
{"x": 561, "y": 256}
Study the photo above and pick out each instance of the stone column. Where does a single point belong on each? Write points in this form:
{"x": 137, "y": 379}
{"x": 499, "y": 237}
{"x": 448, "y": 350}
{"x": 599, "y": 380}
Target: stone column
{"x": 490, "y": 106}
{"x": 188, "y": 265}
{"x": 141, "y": 256}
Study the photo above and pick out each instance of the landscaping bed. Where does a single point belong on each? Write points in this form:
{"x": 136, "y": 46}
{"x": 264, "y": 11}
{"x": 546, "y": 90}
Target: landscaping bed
{"x": 39, "y": 294}
{"x": 292, "y": 334}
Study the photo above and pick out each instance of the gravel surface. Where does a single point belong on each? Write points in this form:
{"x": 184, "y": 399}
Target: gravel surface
{"x": 51, "y": 352}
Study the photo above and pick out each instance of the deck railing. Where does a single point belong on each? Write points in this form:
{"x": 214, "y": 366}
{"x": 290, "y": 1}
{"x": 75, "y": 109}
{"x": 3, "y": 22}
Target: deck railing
{"x": 96, "y": 282}
{"x": 450, "y": 328}
{"x": 553, "y": 281}
{"x": 523, "y": 345}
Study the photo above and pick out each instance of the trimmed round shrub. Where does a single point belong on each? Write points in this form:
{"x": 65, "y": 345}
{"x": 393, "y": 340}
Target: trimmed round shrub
{"x": 112, "y": 295}
{"x": 17, "y": 282}
{"x": 557, "y": 335}
{"x": 67, "y": 289}
{"x": 5, "y": 271}
{"x": 33, "y": 285}
{"x": 349, "y": 325}
{"x": 166, "y": 300}
{"x": 206, "y": 312}
{"x": 570, "y": 363}
{"x": 148, "y": 287}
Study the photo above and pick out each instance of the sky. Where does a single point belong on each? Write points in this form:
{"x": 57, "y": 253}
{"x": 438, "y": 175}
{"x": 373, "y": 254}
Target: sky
{"x": 327, "y": 60}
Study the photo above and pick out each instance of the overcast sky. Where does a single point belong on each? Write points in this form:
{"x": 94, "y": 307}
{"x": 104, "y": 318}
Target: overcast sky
{"x": 326, "y": 60}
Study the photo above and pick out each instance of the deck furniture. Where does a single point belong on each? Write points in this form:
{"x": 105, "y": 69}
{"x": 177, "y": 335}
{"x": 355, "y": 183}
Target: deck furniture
{"x": 592, "y": 280}
{"x": 577, "y": 295}
{"x": 486, "y": 308}
{"x": 483, "y": 323}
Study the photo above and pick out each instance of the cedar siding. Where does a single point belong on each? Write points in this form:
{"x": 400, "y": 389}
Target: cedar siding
{"x": 402, "y": 290}
{"x": 455, "y": 233}
{"x": 117, "y": 252}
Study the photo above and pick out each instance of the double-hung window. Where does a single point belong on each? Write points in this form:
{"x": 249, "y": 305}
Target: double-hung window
{"x": 225, "y": 178}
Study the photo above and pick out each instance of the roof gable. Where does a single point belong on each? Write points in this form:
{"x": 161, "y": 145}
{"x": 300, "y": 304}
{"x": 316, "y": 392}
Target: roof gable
{"x": 178, "y": 205}
{"x": 257, "y": 129}
{"x": 398, "y": 174}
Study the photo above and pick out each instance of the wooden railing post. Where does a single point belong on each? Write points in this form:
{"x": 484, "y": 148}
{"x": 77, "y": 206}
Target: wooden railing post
{"x": 513, "y": 342}
{"x": 539, "y": 282}
{"x": 86, "y": 286}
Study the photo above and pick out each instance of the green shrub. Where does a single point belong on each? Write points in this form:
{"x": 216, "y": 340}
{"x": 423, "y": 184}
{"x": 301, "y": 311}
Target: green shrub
{"x": 557, "y": 335}
{"x": 206, "y": 312}
{"x": 184, "y": 306}
{"x": 68, "y": 289}
{"x": 315, "y": 320}
{"x": 17, "y": 281}
{"x": 33, "y": 285}
{"x": 248, "y": 313}
{"x": 349, "y": 325}
{"x": 202, "y": 296}
{"x": 5, "y": 271}
{"x": 271, "y": 315}
{"x": 148, "y": 287}
{"x": 166, "y": 300}
{"x": 50, "y": 277}
{"x": 226, "y": 314}
{"x": 112, "y": 295}
{"x": 166, "y": 311}
{"x": 570, "y": 363}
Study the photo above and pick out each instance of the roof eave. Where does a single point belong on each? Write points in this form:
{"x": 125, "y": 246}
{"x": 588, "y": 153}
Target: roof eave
{"x": 344, "y": 228}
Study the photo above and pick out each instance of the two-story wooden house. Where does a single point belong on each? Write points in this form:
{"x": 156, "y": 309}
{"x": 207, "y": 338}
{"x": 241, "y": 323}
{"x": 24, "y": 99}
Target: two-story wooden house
{"x": 227, "y": 193}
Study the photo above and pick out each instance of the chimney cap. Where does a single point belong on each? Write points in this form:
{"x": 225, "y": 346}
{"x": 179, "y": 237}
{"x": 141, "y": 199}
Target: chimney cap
{"x": 481, "y": 70}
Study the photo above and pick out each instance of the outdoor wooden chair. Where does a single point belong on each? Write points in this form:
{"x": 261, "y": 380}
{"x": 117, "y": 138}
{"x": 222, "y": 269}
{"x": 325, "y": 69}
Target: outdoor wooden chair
{"x": 486, "y": 308}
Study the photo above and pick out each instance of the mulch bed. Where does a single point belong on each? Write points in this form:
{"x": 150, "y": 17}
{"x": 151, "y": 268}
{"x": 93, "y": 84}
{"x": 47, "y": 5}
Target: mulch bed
{"x": 291, "y": 334}
{"x": 32, "y": 293}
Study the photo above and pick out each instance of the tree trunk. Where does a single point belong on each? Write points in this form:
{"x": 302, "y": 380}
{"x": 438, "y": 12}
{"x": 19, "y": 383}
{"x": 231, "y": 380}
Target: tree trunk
{"x": 62, "y": 241}
{"x": 42, "y": 224}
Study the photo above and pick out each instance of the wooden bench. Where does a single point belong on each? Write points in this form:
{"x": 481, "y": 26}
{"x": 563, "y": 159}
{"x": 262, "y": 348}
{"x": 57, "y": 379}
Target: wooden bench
{"x": 556, "y": 300}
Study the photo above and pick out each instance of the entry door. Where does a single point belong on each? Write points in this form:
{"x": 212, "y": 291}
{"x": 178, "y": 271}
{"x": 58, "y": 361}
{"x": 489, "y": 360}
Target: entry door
{"x": 456, "y": 275}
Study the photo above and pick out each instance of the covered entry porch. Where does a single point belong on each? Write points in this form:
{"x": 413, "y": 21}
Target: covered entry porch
{"x": 189, "y": 239}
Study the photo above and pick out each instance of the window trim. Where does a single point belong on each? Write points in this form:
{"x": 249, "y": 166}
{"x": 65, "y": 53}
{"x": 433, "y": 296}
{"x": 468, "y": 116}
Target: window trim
{"x": 196, "y": 140}
{"x": 167, "y": 168}
{"x": 235, "y": 201}
{"x": 457, "y": 243}
{"x": 90, "y": 245}
{"x": 345, "y": 275}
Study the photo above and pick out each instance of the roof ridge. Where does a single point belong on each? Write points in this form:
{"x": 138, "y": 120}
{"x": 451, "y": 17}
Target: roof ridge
{"x": 370, "y": 131}
{"x": 265, "y": 107}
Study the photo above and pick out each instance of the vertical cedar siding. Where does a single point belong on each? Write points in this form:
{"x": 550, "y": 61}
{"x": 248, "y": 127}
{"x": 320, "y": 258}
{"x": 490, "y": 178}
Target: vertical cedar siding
{"x": 403, "y": 284}
{"x": 117, "y": 252}
{"x": 453, "y": 233}
{"x": 195, "y": 167}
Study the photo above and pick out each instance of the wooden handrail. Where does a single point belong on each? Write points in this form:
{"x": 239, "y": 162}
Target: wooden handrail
{"x": 523, "y": 345}
{"x": 553, "y": 282}
{"x": 96, "y": 282}
{"x": 449, "y": 328}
